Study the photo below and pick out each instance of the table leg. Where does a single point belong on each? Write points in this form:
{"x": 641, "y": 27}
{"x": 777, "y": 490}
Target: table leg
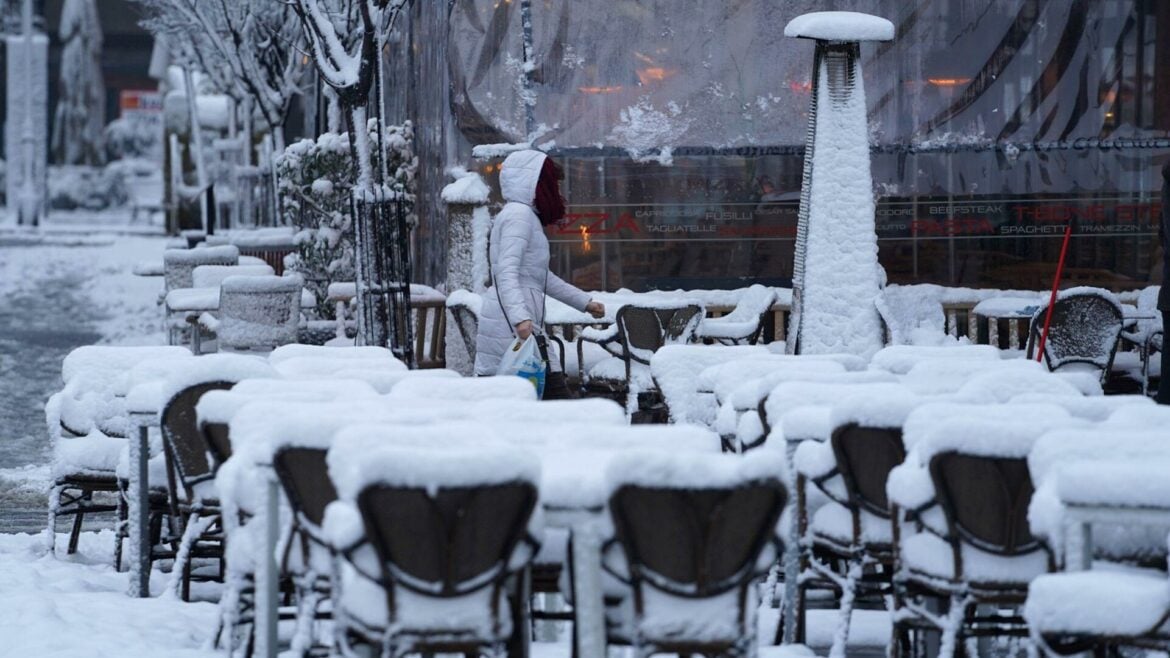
{"x": 791, "y": 557}
{"x": 138, "y": 515}
{"x": 587, "y": 595}
{"x": 267, "y": 594}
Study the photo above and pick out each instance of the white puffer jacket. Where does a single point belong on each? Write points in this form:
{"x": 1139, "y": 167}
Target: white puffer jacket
{"x": 519, "y": 259}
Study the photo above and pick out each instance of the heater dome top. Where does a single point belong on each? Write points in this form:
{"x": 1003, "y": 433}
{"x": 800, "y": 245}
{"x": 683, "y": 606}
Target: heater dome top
{"x": 840, "y": 26}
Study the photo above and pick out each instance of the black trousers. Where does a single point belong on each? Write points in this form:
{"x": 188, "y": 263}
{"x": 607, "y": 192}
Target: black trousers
{"x": 556, "y": 387}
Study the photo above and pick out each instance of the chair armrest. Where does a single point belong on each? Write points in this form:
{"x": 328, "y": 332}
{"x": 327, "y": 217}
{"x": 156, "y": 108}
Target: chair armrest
{"x": 208, "y": 322}
{"x": 526, "y": 549}
{"x": 613, "y": 561}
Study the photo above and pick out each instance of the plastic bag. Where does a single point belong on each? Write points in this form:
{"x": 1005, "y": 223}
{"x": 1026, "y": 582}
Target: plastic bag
{"x": 523, "y": 359}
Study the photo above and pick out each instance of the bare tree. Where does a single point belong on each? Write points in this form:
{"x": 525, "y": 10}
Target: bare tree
{"x": 347, "y": 61}
{"x": 251, "y": 49}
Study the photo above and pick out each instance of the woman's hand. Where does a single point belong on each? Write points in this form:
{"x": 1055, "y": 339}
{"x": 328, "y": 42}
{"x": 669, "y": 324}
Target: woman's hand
{"x": 596, "y": 309}
{"x": 524, "y": 329}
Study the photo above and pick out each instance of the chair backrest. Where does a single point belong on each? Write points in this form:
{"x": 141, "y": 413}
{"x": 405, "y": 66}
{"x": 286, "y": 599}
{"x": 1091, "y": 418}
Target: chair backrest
{"x": 1084, "y": 329}
{"x": 211, "y": 276}
{"x": 696, "y": 542}
{"x": 468, "y": 324}
{"x": 450, "y": 541}
{"x": 219, "y": 444}
{"x": 865, "y": 457}
{"x": 259, "y": 312}
{"x": 186, "y": 449}
{"x": 179, "y": 264}
{"x": 985, "y": 500}
{"x": 643, "y": 330}
{"x": 304, "y": 475}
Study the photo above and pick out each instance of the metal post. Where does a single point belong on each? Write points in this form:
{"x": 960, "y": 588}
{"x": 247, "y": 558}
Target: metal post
{"x": 139, "y": 514}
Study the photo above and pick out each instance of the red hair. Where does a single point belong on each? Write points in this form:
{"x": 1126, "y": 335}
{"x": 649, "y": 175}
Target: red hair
{"x": 548, "y": 202}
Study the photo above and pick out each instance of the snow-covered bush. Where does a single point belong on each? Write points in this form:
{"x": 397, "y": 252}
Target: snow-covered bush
{"x": 314, "y": 182}
{"x": 134, "y": 137}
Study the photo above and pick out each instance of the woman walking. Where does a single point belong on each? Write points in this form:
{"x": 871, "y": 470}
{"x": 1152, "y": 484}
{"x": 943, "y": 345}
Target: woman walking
{"x": 518, "y": 252}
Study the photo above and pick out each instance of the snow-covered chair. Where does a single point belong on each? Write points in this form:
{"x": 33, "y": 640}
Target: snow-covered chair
{"x": 449, "y": 530}
{"x": 1085, "y": 328}
{"x": 640, "y": 332}
{"x": 744, "y": 323}
{"x": 193, "y": 500}
{"x": 675, "y": 370}
{"x": 256, "y": 313}
{"x": 909, "y": 317}
{"x": 692, "y": 533}
{"x": 1108, "y": 606}
{"x": 961, "y": 535}
{"x": 901, "y": 359}
{"x": 456, "y": 390}
{"x": 87, "y": 424}
{"x": 740, "y": 419}
{"x": 465, "y": 307}
{"x": 178, "y": 273}
{"x": 1063, "y": 449}
{"x": 847, "y": 547}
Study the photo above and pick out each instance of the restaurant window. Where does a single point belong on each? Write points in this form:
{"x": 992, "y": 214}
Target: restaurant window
{"x": 680, "y": 124}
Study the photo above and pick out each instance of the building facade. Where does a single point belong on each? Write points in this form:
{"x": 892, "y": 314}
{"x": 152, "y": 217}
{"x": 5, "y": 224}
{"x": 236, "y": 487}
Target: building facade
{"x": 680, "y": 124}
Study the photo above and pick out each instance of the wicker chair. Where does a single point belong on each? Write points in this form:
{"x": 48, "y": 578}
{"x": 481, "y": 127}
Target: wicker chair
{"x": 189, "y": 479}
{"x": 446, "y": 546}
{"x": 256, "y": 312}
{"x": 1084, "y": 330}
{"x": 993, "y": 555}
{"x": 850, "y": 547}
{"x": 640, "y": 332}
{"x": 692, "y": 545}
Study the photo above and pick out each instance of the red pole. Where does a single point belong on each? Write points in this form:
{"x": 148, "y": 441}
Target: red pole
{"x": 1052, "y": 298}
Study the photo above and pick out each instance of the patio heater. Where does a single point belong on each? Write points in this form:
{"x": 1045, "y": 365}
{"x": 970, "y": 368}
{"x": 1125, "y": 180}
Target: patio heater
{"x": 26, "y": 132}
{"x": 835, "y": 269}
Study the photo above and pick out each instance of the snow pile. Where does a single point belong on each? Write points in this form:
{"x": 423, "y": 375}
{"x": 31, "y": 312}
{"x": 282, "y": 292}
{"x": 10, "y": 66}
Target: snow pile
{"x": 938, "y": 376}
{"x": 462, "y": 390}
{"x": 1095, "y": 409}
{"x": 1139, "y": 416}
{"x": 792, "y": 395}
{"x": 221, "y": 406}
{"x": 686, "y": 470}
{"x": 1007, "y": 431}
{"x": 1114, "y": 602}
{"x": 466, "y": 299}
{"x": 901, "y": 359}
{"x": 884, "y": 407}
{"x": 1000, "y": 386}
{"x": 467, "y": 188}
{"x": 114, "y": 360}
{"x": 211, "y": 276}
{"x": 648, "y": 133}
{"x": 313, "y": 367}
{"x": 840, "y": 26}
{"x": 1137, "y": 483}
{"x": 296, "y": 350}
{"x": 151, "y": 395}
{"x": 723, "y": 378}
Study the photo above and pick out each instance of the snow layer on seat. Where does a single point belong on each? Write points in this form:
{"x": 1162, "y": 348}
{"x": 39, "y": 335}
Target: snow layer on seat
{"x": 833, "y": 520}
{"x": 724, "y": 377}
{"x": 1135, "y": 483}
{"x": 793, "y": 394}
{"x": 1096, "y": 409}
{"x": 744, "y": 319}
{"x": 327, "y": 366}
{"x": 297, "y": 350}
{"x": 928, "y": 554}
{"x": 886, "y": 407}
{"x": 594, "y": 411}
{"x": 613, "y": 369}
{"x": 1010, "y": 432}
{"x": 211, "y": 276}
{"x": 900, "y": 359}
{"x": 690, "y": 470}
{"x": 675, "y": 368}
{"x": 220, "y": 406}
{"x": 92, "y": 454}
{"x": 111, "y": 359}
{"x": 214, "y": 368}
{"x": 1098, "y": 602}
{"x": 463, "y": 389}
{"x": 1139, "y": 417}
{"x": 426, "y": 464}
{"x": 937, "y": 376}
{"x": 840, "y": 26}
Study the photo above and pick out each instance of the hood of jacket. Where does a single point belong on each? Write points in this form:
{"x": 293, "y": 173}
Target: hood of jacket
{"x": 519, "y": 175}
